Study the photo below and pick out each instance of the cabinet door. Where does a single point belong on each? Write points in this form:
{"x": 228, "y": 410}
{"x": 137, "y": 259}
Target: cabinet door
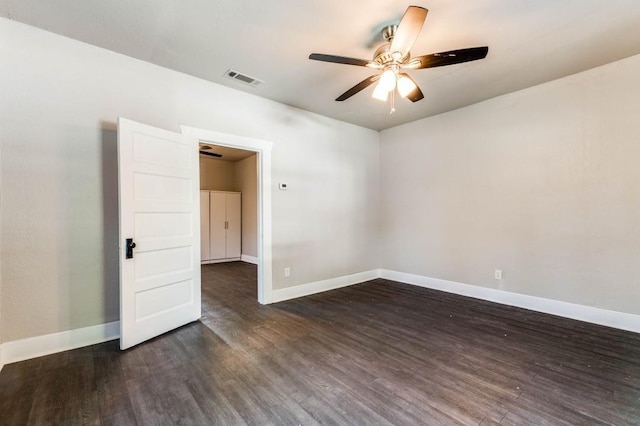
{"x": 234, "y": 225}
{"x": 204, "y": 226}
{"x": 217, "y": 224}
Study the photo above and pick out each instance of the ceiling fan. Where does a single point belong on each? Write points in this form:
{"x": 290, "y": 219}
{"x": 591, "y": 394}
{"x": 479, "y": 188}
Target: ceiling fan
{"x": 204, "y": 150}
{"x": 393, "y": 58}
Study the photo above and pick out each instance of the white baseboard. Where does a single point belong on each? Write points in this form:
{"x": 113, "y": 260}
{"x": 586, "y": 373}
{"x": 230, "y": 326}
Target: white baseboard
{"x": 282, "y": 294}
{"x": 621, "y": 320}
{"x": 249, "y": 259}
{"x": 33, "y": 347}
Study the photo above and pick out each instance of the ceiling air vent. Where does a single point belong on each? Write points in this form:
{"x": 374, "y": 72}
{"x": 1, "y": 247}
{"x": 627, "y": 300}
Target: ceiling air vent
{"x": 235, "y": 75}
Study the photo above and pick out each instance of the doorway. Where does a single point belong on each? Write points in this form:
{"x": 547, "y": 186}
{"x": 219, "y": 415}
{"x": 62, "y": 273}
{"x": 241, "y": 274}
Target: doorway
{"x": 228, "y": 232}
{"x": 262, "y": 151}
{"x": 229, "y": 204}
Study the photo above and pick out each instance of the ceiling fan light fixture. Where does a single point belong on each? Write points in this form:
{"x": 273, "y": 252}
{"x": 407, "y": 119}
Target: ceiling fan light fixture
{"x": 405, "y": 86}
{"x": 387, "y": 80}
{"x": 380, "y": 93}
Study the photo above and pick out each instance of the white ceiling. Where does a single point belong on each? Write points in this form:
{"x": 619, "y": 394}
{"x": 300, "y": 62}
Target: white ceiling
{"x": 530, "y": 42}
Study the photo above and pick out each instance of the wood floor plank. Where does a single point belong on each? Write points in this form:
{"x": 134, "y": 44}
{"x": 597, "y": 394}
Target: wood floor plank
{"x": 375, "y": 353}
{"x": 66, "y": 392}
{"x": 18, "y": 384}
{"x": 111, "y": 382}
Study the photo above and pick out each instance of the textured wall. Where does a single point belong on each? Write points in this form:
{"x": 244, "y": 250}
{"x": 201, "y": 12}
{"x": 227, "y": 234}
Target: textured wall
{"x": 543, "y": 184}
{"x": 1, "y": 205}
{"x": 58, "y": 111}
{"x": 217, "y": 175}
{"x": 246, "y": 180}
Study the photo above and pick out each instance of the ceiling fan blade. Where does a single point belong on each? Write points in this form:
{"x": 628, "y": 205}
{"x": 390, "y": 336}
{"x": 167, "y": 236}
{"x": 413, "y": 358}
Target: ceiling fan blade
{"x": 416, "y": 94}
{"x": 358, "y": 87}
{"x": 339, "y": 59}
{"x": 211, "y": 154}
{"x": 408, "y": 30}
{"x": 449, "y": 58}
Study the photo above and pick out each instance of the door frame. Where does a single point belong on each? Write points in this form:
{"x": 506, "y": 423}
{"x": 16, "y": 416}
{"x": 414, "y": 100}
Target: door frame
{"x": 263, "y": 150}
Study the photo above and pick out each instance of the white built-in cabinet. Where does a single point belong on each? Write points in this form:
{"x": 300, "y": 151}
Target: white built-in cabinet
{"x": 220, "y": 226}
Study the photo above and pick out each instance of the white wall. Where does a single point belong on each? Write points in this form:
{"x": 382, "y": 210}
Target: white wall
{"x": 58, "y": 110}
{"x": 543, "y": 184}
{"x": 246, "y": 181}
{"x": 1, "y": 204}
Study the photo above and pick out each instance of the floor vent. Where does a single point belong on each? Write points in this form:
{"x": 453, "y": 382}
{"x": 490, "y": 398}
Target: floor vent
{"x": 235, "y": 75}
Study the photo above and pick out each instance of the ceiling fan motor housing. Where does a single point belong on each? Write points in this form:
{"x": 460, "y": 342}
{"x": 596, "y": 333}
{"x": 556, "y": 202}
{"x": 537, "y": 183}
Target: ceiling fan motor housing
{"x": 384, "y": 56}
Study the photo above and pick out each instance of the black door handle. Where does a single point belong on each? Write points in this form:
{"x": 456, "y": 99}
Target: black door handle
{"x": 130, "y": 246}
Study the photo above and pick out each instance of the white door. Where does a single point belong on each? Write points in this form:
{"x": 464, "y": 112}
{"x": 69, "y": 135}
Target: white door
{"x": 160, "y": 213}
{"x": 234, "y": 226}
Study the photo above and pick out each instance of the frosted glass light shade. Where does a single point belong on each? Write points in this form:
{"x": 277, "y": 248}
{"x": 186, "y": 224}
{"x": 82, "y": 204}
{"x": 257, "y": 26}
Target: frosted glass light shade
{"x": 380, "y": 93}
{"x": 387, "y": 81}
{"x": 405, "y": 86}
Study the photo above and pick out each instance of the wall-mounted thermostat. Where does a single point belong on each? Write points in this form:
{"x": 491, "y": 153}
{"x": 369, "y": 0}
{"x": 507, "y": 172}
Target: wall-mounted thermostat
{"x": 282, "y": 186}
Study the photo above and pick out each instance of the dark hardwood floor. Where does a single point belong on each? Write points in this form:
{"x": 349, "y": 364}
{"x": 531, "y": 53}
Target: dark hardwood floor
{"x": 377, "y": 353}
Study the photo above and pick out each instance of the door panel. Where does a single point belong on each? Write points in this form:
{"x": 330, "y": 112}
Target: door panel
{"x": 169, "y": 225}
{"x": 156, "y": 263}
{"x": 159, "y": 209}
{"x": 148, "y": 187}
{"x": 161, "y": 299}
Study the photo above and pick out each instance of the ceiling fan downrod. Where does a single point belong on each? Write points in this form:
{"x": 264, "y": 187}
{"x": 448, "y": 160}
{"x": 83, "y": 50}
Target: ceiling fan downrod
{"x": 388, "y": 32}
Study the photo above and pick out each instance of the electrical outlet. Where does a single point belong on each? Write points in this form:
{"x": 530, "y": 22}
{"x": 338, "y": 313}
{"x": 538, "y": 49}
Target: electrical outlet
{"x": 497, "y": 274}
{"x": 287, "y": 271}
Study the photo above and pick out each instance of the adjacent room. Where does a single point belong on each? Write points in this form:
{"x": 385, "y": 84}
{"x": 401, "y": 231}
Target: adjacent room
{"x": 239, "y": 212}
